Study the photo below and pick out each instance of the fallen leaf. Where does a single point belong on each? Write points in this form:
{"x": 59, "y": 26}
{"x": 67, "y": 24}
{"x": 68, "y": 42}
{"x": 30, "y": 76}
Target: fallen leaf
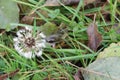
{"x": 2, "y": 31}
{"x": 78, "y": 75}
{"x": 116, "y": 27}
{"x": 9, "y": 13}
{"x": 4, "y": 76}
{"x": 65, "y": 2}
{"x": 94, "y": 37}
{"x": 27, "y": 20}
{"x": 86, "y": 2}
{"x": 112, "y": 50}
{"x": 3, "y": 53}
{"x": 103, "y": 69}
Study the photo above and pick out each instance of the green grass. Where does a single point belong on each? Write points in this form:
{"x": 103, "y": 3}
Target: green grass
{"x": 52, "y": 63}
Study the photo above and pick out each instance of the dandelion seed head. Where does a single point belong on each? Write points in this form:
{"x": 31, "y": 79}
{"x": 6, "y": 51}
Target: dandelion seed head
{"x": 30, "y": 42}
{"x": 28, "y": 45}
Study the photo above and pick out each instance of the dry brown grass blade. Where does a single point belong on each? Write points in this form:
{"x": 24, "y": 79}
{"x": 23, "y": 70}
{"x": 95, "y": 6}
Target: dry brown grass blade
{"x": 65, "y": 2}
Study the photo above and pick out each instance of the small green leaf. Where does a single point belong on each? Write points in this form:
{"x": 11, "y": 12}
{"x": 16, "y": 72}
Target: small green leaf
{"x": 49, "y": 28}
{"x": 54, "y": 14}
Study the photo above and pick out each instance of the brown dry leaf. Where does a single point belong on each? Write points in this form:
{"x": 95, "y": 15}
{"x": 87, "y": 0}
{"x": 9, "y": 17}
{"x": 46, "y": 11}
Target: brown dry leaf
{"x": 3, "y": 53}
{"x": 116, "y": 27}
{"x": 4, "y": 76}
{"x": 94, "y": 37}
{"x": 78, "y": 75}
{"x": 27, "y": 20}
{"x": 65, "y": 2}
{"x": 2, "y": 31}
